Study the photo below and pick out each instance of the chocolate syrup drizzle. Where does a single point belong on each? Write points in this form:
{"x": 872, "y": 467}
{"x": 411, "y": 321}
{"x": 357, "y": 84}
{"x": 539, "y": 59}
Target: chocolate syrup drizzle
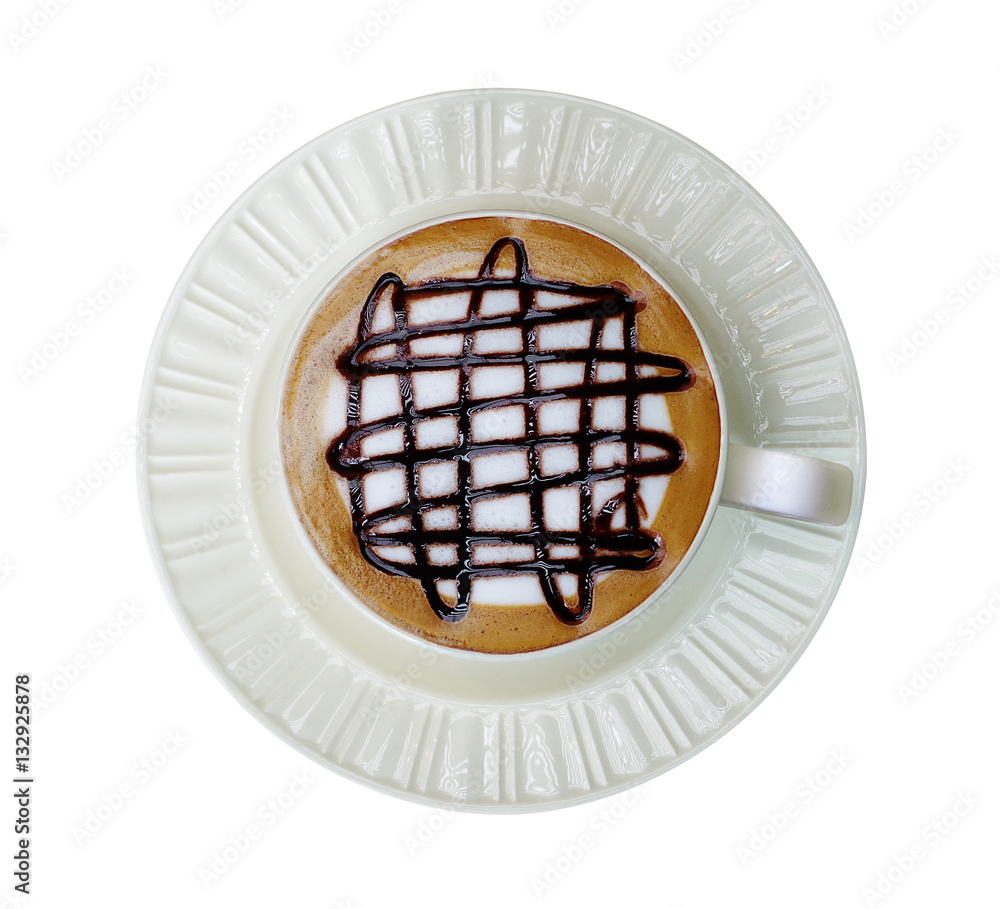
{"x": 601, "y": 547}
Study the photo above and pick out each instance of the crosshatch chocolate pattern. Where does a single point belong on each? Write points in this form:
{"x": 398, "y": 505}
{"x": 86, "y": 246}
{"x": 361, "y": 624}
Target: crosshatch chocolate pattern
{"x": 417, "y": 551}
{"x": 499, "y": 525}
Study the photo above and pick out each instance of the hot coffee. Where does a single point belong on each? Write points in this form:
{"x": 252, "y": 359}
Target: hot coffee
{"x": 500, "y": 433}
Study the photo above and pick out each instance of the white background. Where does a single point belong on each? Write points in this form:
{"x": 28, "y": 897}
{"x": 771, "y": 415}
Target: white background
{"x": 902, "y": 125}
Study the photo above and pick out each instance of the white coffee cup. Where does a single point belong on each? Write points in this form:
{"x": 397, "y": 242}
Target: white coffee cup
{"x": 772, "y": 482}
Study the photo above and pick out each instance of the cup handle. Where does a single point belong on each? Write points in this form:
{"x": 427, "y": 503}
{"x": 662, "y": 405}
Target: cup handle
{"x": 787, "y": 485}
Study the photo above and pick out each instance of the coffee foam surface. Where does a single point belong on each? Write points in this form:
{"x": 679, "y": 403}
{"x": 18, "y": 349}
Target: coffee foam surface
{"x": 508, "y": 611}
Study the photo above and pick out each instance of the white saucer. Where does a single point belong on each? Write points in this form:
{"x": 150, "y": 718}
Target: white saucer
{"x": 557, "y": 727}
